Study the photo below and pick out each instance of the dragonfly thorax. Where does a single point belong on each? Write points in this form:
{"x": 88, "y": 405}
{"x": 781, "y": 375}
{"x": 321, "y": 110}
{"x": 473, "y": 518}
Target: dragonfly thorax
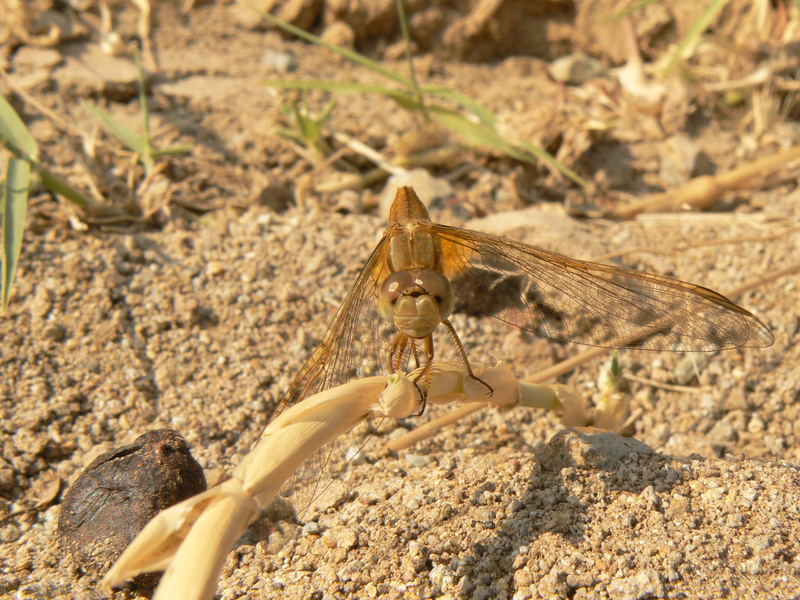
{"x": 416, "y": 301}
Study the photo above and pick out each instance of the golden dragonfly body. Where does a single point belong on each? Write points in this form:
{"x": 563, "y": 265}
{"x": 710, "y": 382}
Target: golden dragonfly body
{"x": 415, "y": 276}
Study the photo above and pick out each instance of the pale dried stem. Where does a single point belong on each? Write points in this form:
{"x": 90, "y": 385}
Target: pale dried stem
{"x": 684, "y": 389}
{"x": 702, "y": 192}
{"x": 370, "y": 153}
{"x": 191, "y": 539}
{"x": 341, "y": 181}
{"x": 532, "y": 395}
{"x": 757, "y": 282}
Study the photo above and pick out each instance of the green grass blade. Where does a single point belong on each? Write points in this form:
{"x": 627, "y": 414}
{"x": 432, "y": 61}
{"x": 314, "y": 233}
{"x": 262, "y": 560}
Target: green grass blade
{"x": 348, "y": 54}
{"x": 147, "y": 141}
{"x": 15, "y": 134}
{"x": 326, "y": 113}
{"x": 412, "y": 72}
{"x": 173, "y": 151}
{"x": 481, "y": 135}
{"x": 476, "y": 133}
{"x": 13, "y": 209}
{"x": 291, "y": 134}
{"x": 484, "y": 114}
{"x": 129, "y": 138}
{"x": 304, "y": 125}
{"x": 551, "y": 160}
{"x": 629, "y": 11}
{"x": 55, "y": 184}
{"x": 693, "y": 35}
{"x": 405, "y": 99}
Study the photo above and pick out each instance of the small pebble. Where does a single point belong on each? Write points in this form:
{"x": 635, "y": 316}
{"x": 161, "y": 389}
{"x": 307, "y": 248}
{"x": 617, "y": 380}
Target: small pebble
{"x": 575, "y": 69}
{"x": 644, "y": 584}
{"x": 441, "y": 576}
{"x": 418, "y": 460}
{"x": 282, "y": 62}
{"x": 756, "y": 424}
{"x": 723, "y": 432}
{"x": 754, "y": 566}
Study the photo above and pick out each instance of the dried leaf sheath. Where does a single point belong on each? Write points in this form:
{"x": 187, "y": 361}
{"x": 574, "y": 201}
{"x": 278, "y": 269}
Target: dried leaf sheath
{"x": 192, "y": 539}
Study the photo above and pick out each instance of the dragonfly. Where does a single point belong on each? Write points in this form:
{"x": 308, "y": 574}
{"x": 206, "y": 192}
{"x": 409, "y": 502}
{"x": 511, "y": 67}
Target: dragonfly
{"x": 421, "y": 271}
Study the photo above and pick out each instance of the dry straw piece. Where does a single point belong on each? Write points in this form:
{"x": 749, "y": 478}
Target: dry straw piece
{"x": 191, "y": 540}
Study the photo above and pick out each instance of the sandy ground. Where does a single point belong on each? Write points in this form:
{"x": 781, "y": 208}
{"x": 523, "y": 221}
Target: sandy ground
{"x": 198, "y": 317}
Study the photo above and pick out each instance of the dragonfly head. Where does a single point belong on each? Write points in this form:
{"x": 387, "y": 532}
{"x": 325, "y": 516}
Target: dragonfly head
{"x": 416, "y": 301}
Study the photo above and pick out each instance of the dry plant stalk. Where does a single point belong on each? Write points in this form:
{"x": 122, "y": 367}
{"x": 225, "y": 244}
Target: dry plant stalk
{"x": 191, "y": 539}
{"x": 561, "y": 399}
{"x": 701, "y": 192}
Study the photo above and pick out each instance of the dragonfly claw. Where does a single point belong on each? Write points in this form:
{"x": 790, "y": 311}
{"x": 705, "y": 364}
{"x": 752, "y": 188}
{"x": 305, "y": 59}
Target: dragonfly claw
{"x": 423, "y": 394}
{"x": 482, "y": 382}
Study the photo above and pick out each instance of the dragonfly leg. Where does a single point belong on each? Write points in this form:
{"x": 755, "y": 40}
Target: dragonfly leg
{"x": 423, "y": 378}
{"x": 401, "y": 344}
{"x": 463, "y": 353}
{"x": 397, "y": 351}
{"x": 416, "y": 353}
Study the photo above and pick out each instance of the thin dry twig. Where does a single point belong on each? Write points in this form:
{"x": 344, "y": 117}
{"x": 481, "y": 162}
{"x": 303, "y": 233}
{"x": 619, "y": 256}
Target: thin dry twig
{"x": 757, "y": 282}
{"x": 701, "y": 244}
{"x": 400, "y": 164}
{"x": 369, "y": 153}
{"x": 686, "y": 389}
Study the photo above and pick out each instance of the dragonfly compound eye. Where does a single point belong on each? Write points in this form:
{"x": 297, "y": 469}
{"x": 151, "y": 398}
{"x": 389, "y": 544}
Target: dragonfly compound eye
{"x": 392, "y": 288}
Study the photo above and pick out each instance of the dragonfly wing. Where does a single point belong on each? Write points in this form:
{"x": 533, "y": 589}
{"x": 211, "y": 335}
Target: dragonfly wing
{"x": 356, "y": 340}
{"x": 571, "y": 300}
{"x": 355, "y": 345}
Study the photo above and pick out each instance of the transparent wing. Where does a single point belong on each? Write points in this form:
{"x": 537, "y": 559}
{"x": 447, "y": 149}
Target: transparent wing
{"x": 356, "y": 341}
{"x": 356, "y": 344}
{"x": 565, "y": 299}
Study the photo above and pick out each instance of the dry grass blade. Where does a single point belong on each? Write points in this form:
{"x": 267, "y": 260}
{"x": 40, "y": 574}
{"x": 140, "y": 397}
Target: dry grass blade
{"x": 700, "y": 244}
{"x": 702, "y": 192}
{"x": 683, "y": 389}
{"x": 532, "y": 395}
{"x": 690, "y": 40}
{"x": 367, "y": 152}
{"x": 191, "y": 539}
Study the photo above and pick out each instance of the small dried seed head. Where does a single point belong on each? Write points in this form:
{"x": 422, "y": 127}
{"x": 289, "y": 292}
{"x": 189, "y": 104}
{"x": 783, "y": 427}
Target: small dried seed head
{"x": 118, "y": 494}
